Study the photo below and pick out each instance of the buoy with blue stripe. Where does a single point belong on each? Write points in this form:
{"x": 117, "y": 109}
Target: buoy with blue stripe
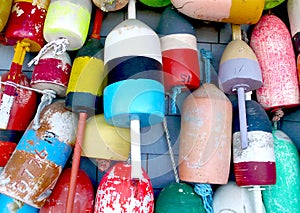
{"x": 83, "y": 201}
{"x": 8, "y": 205}
{"x": 4, "y": 12}
{"x": 134, "y": 101}
{"x": 280, "y": 87}
{"x": 239, "y": 72}
{"x": 284, "y": 196}
{"x": 40, "y": 156}
{"x": 179, "y": 54}
{"x": 232, "y": 11}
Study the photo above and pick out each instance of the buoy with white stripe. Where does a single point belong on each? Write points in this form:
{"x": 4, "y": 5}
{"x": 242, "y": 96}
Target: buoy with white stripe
{"x": 278, "y": 65}
{"x": 284, "y": 196}
{"x": 8, "y": 205}
{"x": 40, "y": 156}
{"x": 133, "y": 101}
{"x": 26, "y": 23}
{"x": 17, "y": 106}
{"x": 239, "y": 72}
{"x": 4, "y": 12}
{"x": 83, "y": 201}
{"x": 179, "y": 54}
{"x": 232, "y": 11}
{"x": 84, "y": 93}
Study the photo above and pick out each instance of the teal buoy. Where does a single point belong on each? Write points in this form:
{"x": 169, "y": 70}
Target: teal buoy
{"x": 179, "y": 198}
{"x": 284, "y": 196}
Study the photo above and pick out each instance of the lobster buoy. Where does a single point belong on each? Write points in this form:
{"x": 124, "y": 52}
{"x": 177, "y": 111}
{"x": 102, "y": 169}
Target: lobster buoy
{"x": 8, "y": 205}
{"x": 52, "y": 72}
{"x": 232, "y": 11}
{"x": 177, "y": 198}
{"x": 284, "y": 196}
{"x": 117, "y": 192}
{"x": 104, "y": 141}
{"x": 4, "y": 12}
{"x": 256, "y": 164}
{"x": 38, "y": 160}
{"x": 278, "y": 65}
{"x": 84, "y": 198}
{"x": 205, "y": 139}
{"x": 26, "y": 23}
{"x": 179, "y": 53}
{"x": 232, "y": 198}
{"x": 69, "y": 19}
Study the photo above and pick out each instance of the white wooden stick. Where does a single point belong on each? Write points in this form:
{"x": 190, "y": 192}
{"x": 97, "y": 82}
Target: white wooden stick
{"x": 131, "y": 9}
{"x": 136, "y": 164}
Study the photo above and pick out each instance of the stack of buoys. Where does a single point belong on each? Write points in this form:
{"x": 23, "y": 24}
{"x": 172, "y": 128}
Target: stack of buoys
{"x": 40, "y": 156}
{"x": 132, "y": 99}
{"x": 18, "y": 102}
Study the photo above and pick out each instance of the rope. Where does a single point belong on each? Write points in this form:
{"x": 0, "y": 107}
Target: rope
{"x": 59, "y": 45}
{"x": 13, "y": 84}
{"x": 45, "y": 101}
{"x": 175, "y": 92}
{"x": 170, "y": 149}
{"x": 277, "y": 116}
{"x": 205, "y": 191}
{"x": 15, "y": 206}
{"x": 207, "y": 55}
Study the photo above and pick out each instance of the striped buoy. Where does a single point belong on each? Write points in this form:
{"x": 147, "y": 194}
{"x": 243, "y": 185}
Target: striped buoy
{"x": 40, "y": 156}
{"x": 232, "y": 11}
{"x": 272, "y": 44}
{"x": 284, "y": 196}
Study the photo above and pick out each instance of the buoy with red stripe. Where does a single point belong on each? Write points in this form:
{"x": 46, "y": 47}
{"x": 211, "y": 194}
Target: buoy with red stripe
{"x": 133, "y": 100}
{"x": 284, "y": 196}
{"x": 84, "y": 198}
{"x": 18, "y": 104}
{"x": 256, "y": 164}
{"x": 4, "y": 12}
{"x": 52, "y": 73}
{"x": 179, "y": 54}
{"x": 8, "y": 205}
{"x": 232, "y": 11}
{"x": 272, "y": 44}
{"x": 26, "y": 23}
{"x": 39, "y": 158}
{"x": 84, "y": 94}
{"x": 239, "y": 72}
{"x": 292, "y": 8}
{"x": 109, "y": 6}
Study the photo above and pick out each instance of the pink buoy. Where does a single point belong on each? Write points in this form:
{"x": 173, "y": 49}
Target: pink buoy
{"x": 271, "y": 41}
